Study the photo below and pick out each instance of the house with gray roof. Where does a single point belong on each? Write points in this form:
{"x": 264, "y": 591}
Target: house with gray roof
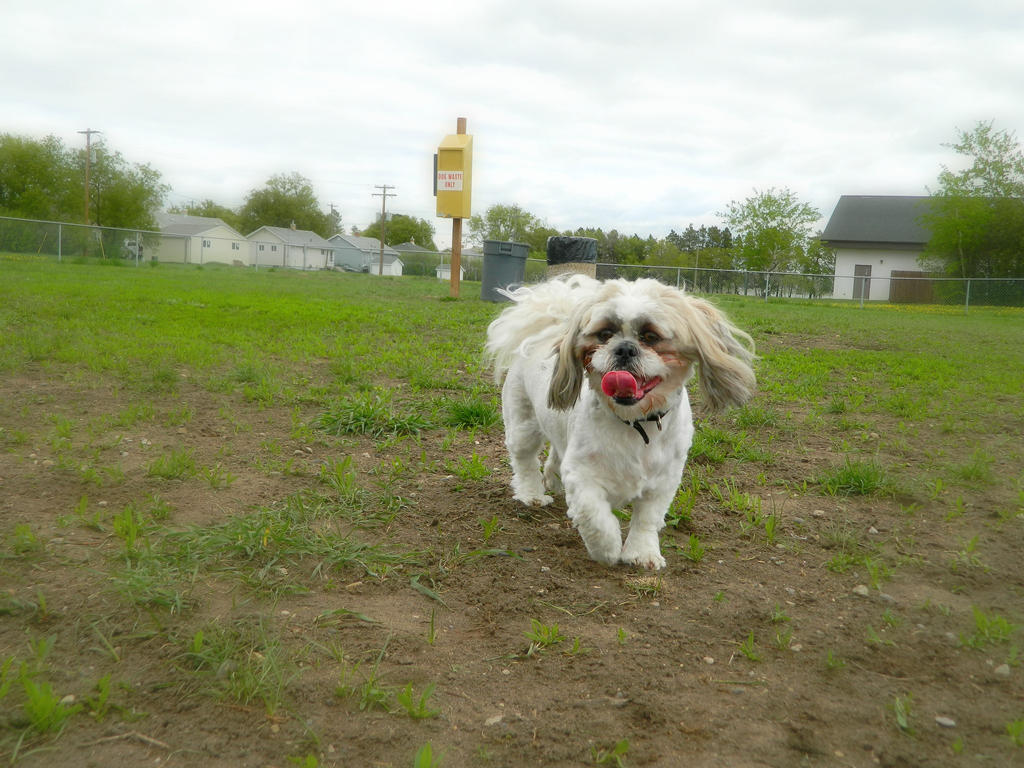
{"x": 289, "y": 247}
{"x": 877, "y": 240}
{"x": 354, "y": 253}
{"x": 196, "y": 240}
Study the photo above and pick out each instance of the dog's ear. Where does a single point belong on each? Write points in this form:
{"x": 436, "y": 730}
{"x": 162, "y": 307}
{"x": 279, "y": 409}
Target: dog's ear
{"x": 724, "y": 353}
{"x": 567, "y": 378}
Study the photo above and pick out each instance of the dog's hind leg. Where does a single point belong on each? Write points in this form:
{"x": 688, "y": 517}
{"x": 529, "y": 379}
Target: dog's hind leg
{"x": 524, "y": 441}
{"x": 552, "y": 468}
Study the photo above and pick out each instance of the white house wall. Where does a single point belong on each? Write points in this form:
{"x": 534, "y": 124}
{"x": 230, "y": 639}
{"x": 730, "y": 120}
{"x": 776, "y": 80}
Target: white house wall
{"x": 266, "y": 252}
{"x": 219, "y": 245}
{"x": 882, "y": 262}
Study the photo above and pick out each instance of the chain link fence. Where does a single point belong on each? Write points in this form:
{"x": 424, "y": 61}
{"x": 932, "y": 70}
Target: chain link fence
{"x": 897, "y": 289}
{"x": 78, "y": 242}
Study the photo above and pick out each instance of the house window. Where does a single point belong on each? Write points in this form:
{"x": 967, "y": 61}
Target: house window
{"x": 261, "y": 246}
{"x": 273, "y": 248}
{"x": 235, "y": 247}
{"x": 206, "y": 243}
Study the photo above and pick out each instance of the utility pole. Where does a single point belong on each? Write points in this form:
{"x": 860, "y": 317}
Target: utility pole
{"x": 88, "y": 155}
{"x": 383, "y": 195}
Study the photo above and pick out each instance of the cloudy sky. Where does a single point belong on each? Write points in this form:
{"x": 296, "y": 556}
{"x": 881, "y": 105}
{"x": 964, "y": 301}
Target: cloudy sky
{"x": 641, "y": 117}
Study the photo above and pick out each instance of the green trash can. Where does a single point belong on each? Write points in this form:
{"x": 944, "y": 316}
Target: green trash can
{"x": 504, "y": 267}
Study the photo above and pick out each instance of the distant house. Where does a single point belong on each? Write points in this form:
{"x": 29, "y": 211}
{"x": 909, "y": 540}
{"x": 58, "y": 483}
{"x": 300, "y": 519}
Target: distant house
{"x": 197, "y": 240}
{"x": 877, "y": 240}
{"x": 354, "y": 253}
{"x": 424, "y": 259}
{"x": 289, "y": 247}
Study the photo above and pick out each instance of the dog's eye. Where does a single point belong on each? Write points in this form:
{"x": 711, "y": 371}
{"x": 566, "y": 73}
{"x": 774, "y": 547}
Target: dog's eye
{"x": 604, "y": 335}
{"x": 650, "y": 337}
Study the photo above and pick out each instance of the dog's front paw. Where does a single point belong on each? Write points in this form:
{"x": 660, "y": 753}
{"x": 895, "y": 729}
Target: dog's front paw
{"x": 533, "y": 499}
{"x": 643, "y": 550}
{"x": 601, "y": 535}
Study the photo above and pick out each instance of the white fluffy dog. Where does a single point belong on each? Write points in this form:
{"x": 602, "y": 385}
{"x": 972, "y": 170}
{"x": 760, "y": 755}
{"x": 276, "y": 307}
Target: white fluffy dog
{"x": 599, "y": 370}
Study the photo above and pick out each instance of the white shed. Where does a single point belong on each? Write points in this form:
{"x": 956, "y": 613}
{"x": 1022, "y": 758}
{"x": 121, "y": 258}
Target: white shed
{"x": 877, "y": 240}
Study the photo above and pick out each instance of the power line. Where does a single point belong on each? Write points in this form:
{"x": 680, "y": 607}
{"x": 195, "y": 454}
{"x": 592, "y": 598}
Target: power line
{"x": 383, "y": 195}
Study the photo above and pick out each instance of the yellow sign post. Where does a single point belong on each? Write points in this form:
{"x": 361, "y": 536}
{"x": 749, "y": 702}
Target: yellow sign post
{"x": 453, "y": 186}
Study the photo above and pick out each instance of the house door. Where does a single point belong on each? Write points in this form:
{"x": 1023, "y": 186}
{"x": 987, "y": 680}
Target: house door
{"x": 862, "y": 282}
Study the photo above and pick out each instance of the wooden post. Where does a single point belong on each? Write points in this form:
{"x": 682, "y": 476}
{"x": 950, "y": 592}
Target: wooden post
{"x": 460, "y": 128}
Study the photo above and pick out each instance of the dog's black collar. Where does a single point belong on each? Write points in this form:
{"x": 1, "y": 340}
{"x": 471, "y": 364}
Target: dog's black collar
{"x": 638, "y": 425}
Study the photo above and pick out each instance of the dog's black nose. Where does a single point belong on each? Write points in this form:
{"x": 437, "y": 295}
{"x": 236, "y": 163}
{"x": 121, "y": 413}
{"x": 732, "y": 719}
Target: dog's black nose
{"x": 625, "y": 352}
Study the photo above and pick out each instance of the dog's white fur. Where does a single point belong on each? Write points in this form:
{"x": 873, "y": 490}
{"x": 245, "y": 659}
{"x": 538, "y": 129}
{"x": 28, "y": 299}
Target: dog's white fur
{"x": 554, "y": 345}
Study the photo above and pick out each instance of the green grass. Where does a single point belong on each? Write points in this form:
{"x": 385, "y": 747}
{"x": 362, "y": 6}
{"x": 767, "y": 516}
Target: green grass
{"x": 855, "y": 478}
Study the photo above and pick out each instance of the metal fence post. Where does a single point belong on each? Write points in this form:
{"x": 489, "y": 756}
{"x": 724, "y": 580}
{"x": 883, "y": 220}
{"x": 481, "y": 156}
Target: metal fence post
{"x": 60, "y": 232}
{"x": 967, "y": 300}
{"x": 767, "y": 278}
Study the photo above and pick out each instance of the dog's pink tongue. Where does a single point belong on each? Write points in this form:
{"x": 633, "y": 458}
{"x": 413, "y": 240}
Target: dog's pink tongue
{"x": 620, "y": 384}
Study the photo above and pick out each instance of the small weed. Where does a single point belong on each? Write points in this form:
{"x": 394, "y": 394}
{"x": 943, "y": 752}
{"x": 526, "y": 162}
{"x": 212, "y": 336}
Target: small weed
{"x": 99, "y": 704}
{"x": 855, "y": 478}
{"x": 1015, "y": 730}
{"x": 988, "y": 630}
{"x": 902, "y": 708}
{"x": 614, "y": 755}
{"x": 425, "y": 757}
{"x": 218, "y": 477}
{"x": 45, "y": 710}
{"x": 128, "y": 527}
{"x": 621, "y": 637}
{"x": 771, "y": 524}
{"x": 340, "y": 475}
{"x": 749, "y": 649}
{"x": 681, "y": 510}
{"x": 24, "y": 541}
{"x": 878, "y": 571}
{"x": 577, "y": 649}
{"x": 472, "y": 414}
{"x": 783, "y": 639}
{"x": 432, "y": 628}
{"x": 756, "y": 417}
{"x": 832, "y": 662}
{"x": 967, "y": 556}
{"x": 978, "y": 469}
{"x": 542, "y": 636}
{"x": 177, "y": 465}
{"x": 417, "y": 707}
{"x": 778, "y": 615}
{"x": 490, "y": 527}
{"x": 471, "y": 469}
{"x": 694, "y": 551}
{"x": 890, "y": 619}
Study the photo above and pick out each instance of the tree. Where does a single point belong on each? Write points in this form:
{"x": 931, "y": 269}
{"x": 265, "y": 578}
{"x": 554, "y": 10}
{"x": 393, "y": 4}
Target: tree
{"x": 125, "y": 195}
{"x": 211, "y": 210}
{"x": 404, "y": 229}
{"x": 976, "y": 216}
{"x": 286, "y": 199}
{"x": 502, "y": 222}
{"x": 773, "y": 229}
{"x": 45, "y": 180}
{"x": 38, "y": 180}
